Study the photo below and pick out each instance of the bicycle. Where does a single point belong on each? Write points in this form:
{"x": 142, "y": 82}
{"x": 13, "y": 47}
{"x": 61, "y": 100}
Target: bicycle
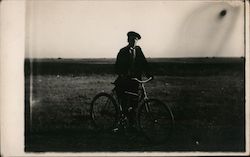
{"x": 154, "y": 119}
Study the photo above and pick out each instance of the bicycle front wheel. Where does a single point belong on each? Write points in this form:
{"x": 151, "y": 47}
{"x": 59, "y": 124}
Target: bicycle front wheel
{"x": 104, "y": 112}
{"x": 155, "y": 121}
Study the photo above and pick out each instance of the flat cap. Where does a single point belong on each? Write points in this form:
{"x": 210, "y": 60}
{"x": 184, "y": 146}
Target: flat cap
{"x": 134, "y": 34}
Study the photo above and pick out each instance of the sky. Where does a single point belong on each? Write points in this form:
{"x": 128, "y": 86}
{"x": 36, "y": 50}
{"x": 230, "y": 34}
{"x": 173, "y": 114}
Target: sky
{"x": 97, "y": 29}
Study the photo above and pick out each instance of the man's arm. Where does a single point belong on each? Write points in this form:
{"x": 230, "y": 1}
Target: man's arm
{"x": 119, "y": 64}
{"x": 145, "y": 65}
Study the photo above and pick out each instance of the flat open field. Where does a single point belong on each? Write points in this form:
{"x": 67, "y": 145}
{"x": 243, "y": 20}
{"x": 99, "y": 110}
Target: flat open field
{"x": 207, "y": 97}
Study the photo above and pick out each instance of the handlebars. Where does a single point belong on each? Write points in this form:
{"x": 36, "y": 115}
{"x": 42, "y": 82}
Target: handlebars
{"x": 142, "y": 81}
{"x": 139, "y": 81}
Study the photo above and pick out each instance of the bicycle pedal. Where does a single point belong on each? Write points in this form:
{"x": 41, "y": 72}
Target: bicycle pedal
{"x": 130, "y": 109}
{"x": 115, "y": 130}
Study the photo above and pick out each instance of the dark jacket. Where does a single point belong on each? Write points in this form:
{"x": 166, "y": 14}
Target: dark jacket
{"x": 123, "y": 63}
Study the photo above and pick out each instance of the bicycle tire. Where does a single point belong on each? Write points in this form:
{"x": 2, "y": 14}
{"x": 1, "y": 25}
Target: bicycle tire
{"x": 104, "y": 114}
{"x": 157, "y": 123}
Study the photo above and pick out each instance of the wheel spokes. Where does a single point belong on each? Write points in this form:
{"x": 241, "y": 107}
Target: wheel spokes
{"x": 104, "y": 111}
{"x": 155, "y": 121}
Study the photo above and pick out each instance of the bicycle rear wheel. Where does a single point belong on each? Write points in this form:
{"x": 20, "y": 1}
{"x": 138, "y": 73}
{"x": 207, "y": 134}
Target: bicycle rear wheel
{"x": 155, "y": 121}
{"x": 104, "y": 112}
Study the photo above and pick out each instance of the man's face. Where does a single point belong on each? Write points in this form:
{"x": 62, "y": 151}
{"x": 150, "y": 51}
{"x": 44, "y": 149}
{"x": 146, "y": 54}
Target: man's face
{"x": 132, "y": 41}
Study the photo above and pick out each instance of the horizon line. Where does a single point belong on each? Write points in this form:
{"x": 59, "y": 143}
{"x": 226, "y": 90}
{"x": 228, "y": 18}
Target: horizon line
{"x": 146, "y": 57}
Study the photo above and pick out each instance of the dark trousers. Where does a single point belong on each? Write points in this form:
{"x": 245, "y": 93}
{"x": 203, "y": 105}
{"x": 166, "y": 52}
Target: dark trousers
{"x": 126, "y": 100}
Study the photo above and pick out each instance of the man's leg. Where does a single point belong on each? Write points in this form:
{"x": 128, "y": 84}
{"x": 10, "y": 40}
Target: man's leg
{"x": 122, "y": 97}
{"x": 133, "y": 103}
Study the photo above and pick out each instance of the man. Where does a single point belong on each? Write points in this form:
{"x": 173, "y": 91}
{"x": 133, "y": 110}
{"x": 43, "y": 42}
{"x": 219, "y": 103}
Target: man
{"x": 130, "y": 63}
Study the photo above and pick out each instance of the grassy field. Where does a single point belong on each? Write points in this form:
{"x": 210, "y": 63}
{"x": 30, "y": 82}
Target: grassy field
{"x": 206, "y": 96}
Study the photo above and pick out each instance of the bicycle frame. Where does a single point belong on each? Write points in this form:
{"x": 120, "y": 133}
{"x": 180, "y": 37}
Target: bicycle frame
{"x": 143, "y": 95}
{"x": 136, "y": 111}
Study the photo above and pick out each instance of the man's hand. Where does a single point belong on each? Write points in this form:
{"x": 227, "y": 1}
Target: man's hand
{"x": 150, "y": 75}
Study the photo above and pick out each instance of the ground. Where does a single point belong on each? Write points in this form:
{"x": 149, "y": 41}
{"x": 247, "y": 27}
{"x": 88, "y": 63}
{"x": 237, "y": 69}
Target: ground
{"x": 208, "y": 108}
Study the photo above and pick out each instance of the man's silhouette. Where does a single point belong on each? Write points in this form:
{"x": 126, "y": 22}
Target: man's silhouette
{"x": 130, "y": 63}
